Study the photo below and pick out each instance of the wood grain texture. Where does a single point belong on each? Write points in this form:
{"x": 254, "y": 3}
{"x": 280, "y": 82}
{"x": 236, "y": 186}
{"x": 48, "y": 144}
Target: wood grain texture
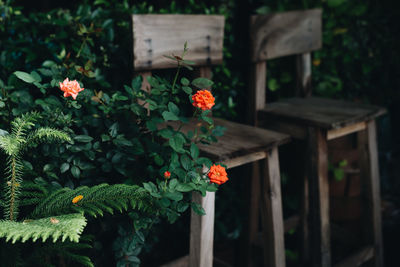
{"x": 202, "y": 232}
{"x": 369, "y": 166}
{"x": 336, "y": 133}
{"x": 271, "y": 211}
{"x": 238, "y": 140}
{"x": 296, "y": 131}
{"x": 157, "y": 35}
{"x": 303, "y": 70}
{"x": 320, "y": 112}
{"x": 358, "y": 258}
{"x": 180, "y": 262}
{"x": 283, "y": 34}
{"x": 257, "y": 96}
{"x": 319, "y": 198}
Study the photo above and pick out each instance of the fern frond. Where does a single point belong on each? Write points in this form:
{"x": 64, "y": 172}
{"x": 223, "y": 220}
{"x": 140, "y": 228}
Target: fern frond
{"x": 96, "y": 200}
{"x": 20, "y": 125}
{"x": 9, "y": 145}
{"x": 57, "y": 227}
{"x": 46, "y": 134}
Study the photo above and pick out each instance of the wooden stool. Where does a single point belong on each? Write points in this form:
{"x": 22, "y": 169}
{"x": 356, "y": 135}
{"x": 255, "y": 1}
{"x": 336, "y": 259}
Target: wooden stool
{"x": 316, "y": 120}
{"x": 158, "y": 35}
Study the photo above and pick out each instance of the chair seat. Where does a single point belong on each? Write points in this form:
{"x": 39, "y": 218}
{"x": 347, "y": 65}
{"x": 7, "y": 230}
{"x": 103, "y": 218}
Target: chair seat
{"x": 239, "y": 140}
{"x": 320, "y": 112}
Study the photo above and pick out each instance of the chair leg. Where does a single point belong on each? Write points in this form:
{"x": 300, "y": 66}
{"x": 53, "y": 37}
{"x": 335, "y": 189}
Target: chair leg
{"x": 368, "y": 153}
{"x": 319, "y": 198}
{"x": 252, "y": 224}
{"x": 271, "y": 211}
{"x": 202, "y": 232}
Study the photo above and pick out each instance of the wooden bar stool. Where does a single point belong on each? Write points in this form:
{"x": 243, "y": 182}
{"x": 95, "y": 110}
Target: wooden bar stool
{"x": 316, "y": 120}
{"x": 158, "y": 35}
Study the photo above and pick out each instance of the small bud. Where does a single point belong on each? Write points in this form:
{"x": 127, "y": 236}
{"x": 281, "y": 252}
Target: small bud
{"x": 167, "y": 175}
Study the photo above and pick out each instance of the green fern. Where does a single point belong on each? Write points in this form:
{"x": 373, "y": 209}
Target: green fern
{"x": 63, "y": 227}
{"x": 14, "y": 145}
{"x": 96, "y": 200}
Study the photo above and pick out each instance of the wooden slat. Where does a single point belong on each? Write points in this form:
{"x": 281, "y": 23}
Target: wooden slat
{"x": 303, "y": 75}
{"x": 238, "y": 140}
{"x": 358, "y": 258}
{"x": 257, "y": 98}
{"x": 368, "y": 151}
{"x": 157, "y": 35}
{"x": 296, "y": 131}
{"x": 202, "y": 232}
{"x": 271, "y": 211}
{"x": 181, "y": 262}
{"x": 239, "y": 161}
{"x": 321, "y": 112}
{"x": 336, "y": 133}
{"x": 319, "y": 198}
{"x": 283, "y": 34}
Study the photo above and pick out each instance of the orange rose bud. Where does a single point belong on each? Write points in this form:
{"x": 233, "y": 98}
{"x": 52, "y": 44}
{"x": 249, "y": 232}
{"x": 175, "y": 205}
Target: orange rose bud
{"x": 217, "y": 174}
{"x": 203, "y": 99}
{"x": 70, "y": 88}
{"x": 77, "y": 199}
{"x": 167, "y": 175}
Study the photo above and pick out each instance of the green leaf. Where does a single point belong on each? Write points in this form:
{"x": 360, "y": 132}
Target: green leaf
{"x": 202, "y": 83}
{"x": 187, "y": 90}
{"x": 169, "y": 116}
{"x": 194, "y": 151}
{"x": 273, "y": 85}
{"x": 176, "y": 196}
{"x": 173, "y": 108}
{"x": 176, "y": 142}
{"x": 185, "y": 81}
{"x": 26, "y": 77}
{"x": 186, "y": 162}
{"x": 184, "y": 187}
{"x": 76, "y": 172}
{"x": 83, "y": 138}
{"x": 57, "y": 227}
{"x": 198, "y": 208}
{"x": 335, "y": 3}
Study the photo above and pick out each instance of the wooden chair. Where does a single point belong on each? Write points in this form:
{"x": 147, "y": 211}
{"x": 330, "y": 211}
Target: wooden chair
{"x": 316, "y": 120}
{"x": 158, "y": 35}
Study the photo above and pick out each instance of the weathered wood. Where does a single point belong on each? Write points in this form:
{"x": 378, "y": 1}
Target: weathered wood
{"x": 238, "y": 140}
{"x": 271, "y": 211}
{"x": 202, "y": 232}
{"x": 319, "y": 198}
{"x": 180, "y": 262}
{"x": 157, "y": 35}
{"x": 283, "y": 34}
{"x": 358, "y": 258}
{"x": 257, "y": 90}
{"x": 296, "y": 131}
{"x": 239, "y": 161}
{"x": 303, "y": 79}
{"x": 253, "y": 212}
{"x": 320, "y": 112}
{"x": 368, "y": 152}
{"x": 336, "y": 133}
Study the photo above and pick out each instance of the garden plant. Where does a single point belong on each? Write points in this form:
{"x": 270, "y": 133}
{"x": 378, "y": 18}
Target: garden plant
{"x": 52, "y": 216}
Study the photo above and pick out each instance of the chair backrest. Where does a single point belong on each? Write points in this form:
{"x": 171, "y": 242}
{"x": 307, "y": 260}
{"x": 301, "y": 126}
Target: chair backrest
{"x": 278, "y": 35}
{"x": 157, "y": 35}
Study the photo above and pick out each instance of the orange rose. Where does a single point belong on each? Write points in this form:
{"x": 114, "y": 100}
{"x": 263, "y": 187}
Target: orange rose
{"x": 167, "y": 175}
{"x": 77, "y": 199}
{"x": 70, "y": 88}
{"x": 203, "y": 99}
{"x": 217, "y": 174}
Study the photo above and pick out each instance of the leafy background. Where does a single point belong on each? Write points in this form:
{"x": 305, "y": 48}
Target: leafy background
{"x": 358, "y": 62}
